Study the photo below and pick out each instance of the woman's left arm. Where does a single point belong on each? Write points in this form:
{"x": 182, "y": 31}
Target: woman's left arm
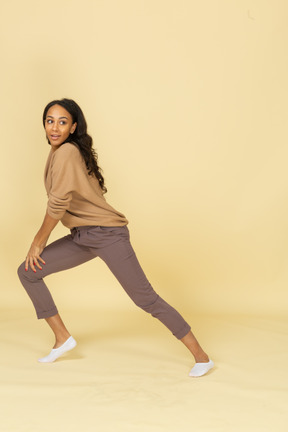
{"x": 39, "y": 243}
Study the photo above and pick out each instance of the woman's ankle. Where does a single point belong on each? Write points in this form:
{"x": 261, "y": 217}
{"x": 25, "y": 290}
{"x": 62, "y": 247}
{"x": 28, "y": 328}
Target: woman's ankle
{"x": 203, "y": 358}
{"x": 60, "y": 340}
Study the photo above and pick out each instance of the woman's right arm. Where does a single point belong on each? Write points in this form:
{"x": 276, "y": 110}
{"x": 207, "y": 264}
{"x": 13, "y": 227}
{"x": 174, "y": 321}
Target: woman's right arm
{"x": 64, "y": 164}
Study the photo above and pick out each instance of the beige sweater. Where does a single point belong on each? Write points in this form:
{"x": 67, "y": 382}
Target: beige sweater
{"x": 74, "y": 196}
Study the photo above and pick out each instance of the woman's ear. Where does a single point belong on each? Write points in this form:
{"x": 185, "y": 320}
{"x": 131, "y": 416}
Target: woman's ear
{"x": 73, "y": 128}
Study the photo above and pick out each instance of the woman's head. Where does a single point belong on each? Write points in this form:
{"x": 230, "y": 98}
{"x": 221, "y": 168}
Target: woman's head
{"x": 65, "y": 110}
{"x": 64, "y": 122}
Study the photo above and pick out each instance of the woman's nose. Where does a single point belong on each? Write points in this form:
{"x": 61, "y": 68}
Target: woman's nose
{"x": 54, "y": 126}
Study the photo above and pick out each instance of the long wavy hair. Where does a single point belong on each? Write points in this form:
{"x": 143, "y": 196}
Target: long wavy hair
{"x": 80, "y": 137}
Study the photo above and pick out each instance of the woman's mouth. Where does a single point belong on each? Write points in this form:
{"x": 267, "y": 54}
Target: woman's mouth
{"x": 55, "y": 137}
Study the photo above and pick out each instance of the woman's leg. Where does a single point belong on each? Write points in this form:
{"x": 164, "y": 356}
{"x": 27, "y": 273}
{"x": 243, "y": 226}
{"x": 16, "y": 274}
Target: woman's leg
{"x": 59, "y": 329}
{"x": 122, "y": 261}
{"x": 58, "y": 256}
{"x": 194, "y": 347}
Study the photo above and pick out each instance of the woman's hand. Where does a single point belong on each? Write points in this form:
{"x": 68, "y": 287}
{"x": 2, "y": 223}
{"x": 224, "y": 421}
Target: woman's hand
{"x": 33, "y": 257}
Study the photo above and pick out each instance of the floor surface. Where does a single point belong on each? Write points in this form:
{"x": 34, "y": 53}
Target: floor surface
{"x": 128, "y": 374}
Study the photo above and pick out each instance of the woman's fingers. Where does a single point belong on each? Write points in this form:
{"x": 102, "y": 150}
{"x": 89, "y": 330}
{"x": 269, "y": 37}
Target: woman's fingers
{"x": 37, "y": 263}
{"x": 34, "y": 262}
{"x": 38, "y": 258}
{"x": 41, "y": 259}
{"x": 29, "y": 262}
{"x": 33, "y": 258}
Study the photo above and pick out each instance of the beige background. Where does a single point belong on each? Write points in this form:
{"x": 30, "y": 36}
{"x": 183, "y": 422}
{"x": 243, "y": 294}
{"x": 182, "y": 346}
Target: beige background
{"x": 187, "y": 105}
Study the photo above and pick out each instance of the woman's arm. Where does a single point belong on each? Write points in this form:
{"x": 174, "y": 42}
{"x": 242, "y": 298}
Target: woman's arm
{"x": 39, "y": 243}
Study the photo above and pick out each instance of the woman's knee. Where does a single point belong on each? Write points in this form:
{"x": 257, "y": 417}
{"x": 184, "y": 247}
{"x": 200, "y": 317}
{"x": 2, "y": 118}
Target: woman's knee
{"x": 21, "y": 270}
{"x": 28, "y": 275}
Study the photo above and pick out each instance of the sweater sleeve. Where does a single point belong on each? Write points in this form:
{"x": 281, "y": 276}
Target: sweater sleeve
{"x": 65, "y": 168}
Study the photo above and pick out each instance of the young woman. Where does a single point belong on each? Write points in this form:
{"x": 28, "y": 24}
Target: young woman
{"x": 75, "y": 189}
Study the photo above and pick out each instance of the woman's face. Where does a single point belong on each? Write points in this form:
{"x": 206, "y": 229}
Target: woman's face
{"x": 58, "y": 125}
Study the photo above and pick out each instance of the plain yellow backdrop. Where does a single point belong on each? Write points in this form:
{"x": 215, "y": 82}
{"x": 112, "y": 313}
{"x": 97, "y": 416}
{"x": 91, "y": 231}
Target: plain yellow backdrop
{"x": 187, "y": 105}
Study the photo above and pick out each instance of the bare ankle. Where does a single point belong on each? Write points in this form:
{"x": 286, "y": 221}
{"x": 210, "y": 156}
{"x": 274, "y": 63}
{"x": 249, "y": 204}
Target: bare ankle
{"x": 202, "y": 359}
{"x": 60, "y": 340}
{"x": 201, "y": 356}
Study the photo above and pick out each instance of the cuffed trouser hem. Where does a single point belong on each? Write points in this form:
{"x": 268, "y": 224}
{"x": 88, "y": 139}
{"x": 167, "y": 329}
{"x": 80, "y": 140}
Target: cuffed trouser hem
{"x": 47, "y": 314}
{"x": 183, "y": 332}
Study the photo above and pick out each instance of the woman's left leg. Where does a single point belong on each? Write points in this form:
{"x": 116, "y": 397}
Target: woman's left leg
{"x": 122, "y": 261}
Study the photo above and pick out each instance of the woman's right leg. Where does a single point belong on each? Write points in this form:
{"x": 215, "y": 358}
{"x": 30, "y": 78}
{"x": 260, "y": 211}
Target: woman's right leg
{"x": 58, "y": 256}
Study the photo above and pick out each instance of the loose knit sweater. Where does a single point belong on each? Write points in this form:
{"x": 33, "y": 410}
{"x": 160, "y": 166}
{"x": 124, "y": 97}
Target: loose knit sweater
{"x": 74, "y": 196}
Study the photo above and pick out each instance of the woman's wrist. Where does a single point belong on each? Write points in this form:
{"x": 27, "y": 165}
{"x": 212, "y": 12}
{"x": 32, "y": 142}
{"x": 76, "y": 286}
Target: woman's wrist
{"x": 39, "y": 242}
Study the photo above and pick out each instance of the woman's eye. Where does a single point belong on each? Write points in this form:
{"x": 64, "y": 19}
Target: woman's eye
{"x": 62, "y": 122}
{"x": 49, "y": 121}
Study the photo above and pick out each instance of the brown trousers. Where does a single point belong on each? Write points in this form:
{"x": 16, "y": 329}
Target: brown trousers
{"x": 112, "y": 245}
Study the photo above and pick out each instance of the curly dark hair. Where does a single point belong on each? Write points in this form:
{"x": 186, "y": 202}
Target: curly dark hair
{"x": 80, "y": 138}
